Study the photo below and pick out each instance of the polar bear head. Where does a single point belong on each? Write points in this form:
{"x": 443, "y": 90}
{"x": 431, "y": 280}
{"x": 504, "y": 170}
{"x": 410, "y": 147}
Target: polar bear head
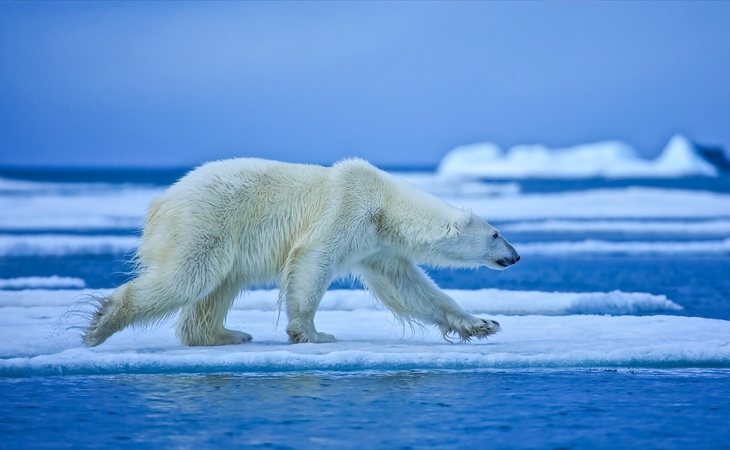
{"x": 471, "y": 241}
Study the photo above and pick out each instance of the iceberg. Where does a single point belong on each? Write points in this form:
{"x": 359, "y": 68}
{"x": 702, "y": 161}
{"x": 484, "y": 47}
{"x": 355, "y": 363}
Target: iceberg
{"x": 608, "y": 159}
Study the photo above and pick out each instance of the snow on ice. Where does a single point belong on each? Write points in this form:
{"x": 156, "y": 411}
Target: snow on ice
{"x": 37, "y": 339}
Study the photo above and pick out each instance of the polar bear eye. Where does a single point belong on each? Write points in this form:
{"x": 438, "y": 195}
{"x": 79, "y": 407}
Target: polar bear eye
{"x": 495, "y": 235}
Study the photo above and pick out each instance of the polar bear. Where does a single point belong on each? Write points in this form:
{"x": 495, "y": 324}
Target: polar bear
{"x": 231, "y": 224}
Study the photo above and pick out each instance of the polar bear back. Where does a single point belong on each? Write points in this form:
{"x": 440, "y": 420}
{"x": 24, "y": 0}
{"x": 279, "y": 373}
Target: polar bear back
{"x": 249, "y": 203}
{"x": 257, "y": 211}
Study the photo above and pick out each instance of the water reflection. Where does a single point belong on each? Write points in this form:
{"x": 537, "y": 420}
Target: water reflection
{"x": 532, "y": 408}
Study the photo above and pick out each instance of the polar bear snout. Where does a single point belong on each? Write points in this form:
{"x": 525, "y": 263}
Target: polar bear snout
{"x": 505, "y": 256}
{"x": 506, "y": 262}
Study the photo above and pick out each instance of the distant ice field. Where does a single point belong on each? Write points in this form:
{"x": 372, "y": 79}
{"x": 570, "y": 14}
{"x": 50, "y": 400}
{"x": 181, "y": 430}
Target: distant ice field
{"x": 124, "y": 208}
{"x": 672, "y": 227}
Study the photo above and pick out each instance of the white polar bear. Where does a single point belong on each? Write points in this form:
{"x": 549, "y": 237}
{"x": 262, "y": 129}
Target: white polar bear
{"x": 231, "y": 224}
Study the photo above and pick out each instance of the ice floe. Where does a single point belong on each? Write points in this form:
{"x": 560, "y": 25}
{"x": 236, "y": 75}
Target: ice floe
{"x": 125, "y": 209}
{"x": 39, "y": 245}
{"x": 493, "y": 301}
{"x": 52, "y": 282}
{"x": 687, "y": 227}
{"x": 620, "y": 203}
{"x": 628, "y": 247}
{"x": 609, "y": 159}
{"x": 109, "y": 209}
{"x": 38, "y": 341}
{"x": 65, "y": 244}
{"x": 35, "y": 344}
{"x": 441, "y": 186}
{"x": 12, "y": 186}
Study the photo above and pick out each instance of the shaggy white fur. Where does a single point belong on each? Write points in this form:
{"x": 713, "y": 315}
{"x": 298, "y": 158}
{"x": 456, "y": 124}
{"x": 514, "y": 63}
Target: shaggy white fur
{"x": 230, "y": 224}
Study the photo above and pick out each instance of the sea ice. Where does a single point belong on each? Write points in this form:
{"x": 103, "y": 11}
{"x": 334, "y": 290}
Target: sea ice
{"x": 593, "y": 246}
{"x": 120, "y": 208}
{"x": 619, "y": 203}
{"x": 38, "y": 245}
{"x": 52, "y": 282}
{"x": 492, "y": 301}
{"x": 37, "y": 341}
{"x": 684, "y": 227}
{"x": 65, "y": 244}
{"x": 126, "y": 208}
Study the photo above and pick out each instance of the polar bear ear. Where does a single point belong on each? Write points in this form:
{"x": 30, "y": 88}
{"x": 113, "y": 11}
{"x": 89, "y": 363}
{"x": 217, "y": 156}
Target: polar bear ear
{"x": 457, "y": 226}
{"x": 453, "y": 229}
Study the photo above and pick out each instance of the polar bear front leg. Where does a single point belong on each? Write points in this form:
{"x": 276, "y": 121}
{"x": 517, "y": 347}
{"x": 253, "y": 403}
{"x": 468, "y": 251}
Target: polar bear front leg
{"x": 411, "y": 295}
{"x": 304, "y": 280}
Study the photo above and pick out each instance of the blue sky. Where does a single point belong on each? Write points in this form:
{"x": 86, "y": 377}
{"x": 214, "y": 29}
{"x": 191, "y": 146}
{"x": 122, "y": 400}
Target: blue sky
{"x": 174, "y": 84}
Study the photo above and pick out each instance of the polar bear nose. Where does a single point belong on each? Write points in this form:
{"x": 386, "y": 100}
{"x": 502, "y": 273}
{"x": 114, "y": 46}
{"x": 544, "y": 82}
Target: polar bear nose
{"x": 517, "y": 258}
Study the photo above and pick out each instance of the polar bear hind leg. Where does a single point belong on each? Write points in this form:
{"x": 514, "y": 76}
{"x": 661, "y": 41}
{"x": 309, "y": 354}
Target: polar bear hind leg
{"x": 202, "y": 323}
{"x": 142, "y": 300}
{"x": 158, "y": 292}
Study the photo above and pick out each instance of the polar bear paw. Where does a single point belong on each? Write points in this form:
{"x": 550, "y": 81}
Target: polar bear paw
{"x": 232, "y": 337}
{"x": 298, "y": 337}
{"x": 219, "y": 337}
{"x": 474, "y": 327}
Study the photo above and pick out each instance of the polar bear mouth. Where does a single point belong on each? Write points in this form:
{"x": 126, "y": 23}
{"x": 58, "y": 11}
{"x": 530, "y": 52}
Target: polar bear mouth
{"x": 506, "y": 262}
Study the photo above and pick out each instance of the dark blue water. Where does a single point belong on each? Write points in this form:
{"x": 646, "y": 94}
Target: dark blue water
{"x": 435, "y": 410}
